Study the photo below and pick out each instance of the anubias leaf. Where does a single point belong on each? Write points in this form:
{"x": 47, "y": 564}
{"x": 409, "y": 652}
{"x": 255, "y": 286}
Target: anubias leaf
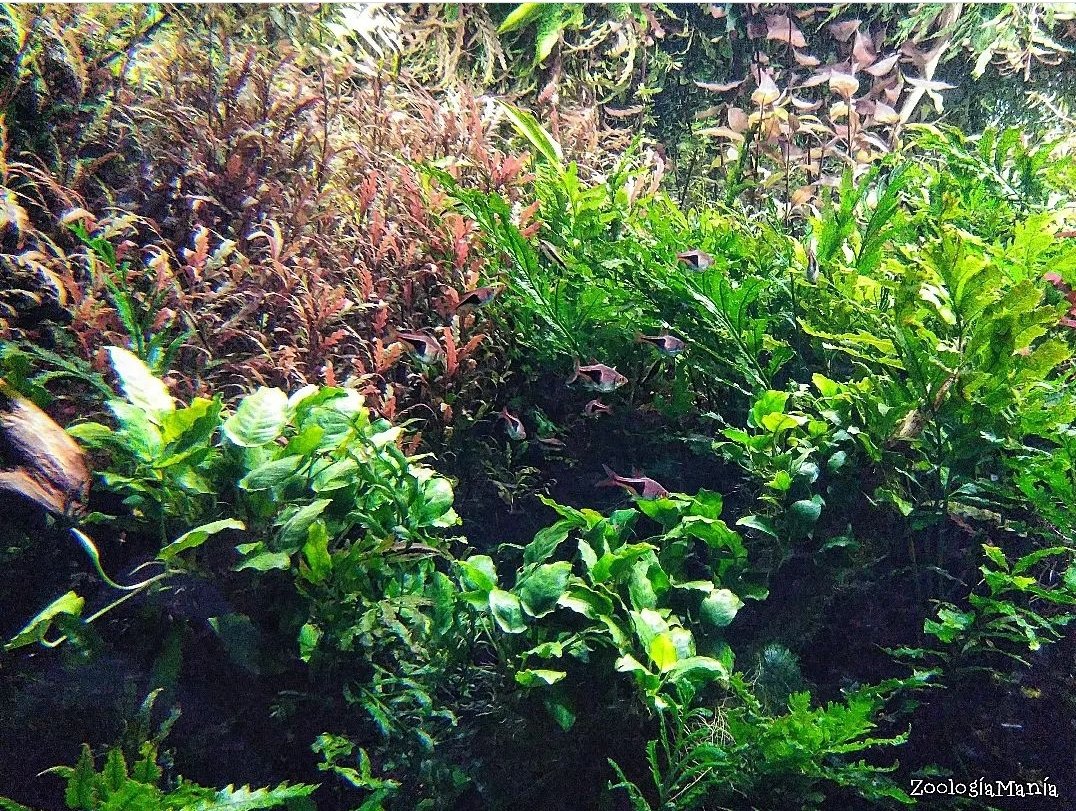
{"x": 720, "y": 607}
{"x": 260, "y": 418}
{"x": 507, "y": 611}
{"x": 69, "y": 604}
{"x": 540, "y": 589}
{"x": 141, "y": 388}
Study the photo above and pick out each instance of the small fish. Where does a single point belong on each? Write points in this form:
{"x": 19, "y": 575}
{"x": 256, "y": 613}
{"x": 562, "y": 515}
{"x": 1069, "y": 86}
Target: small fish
{"x": 696, "y": 260}
{"x": 550, "y": 252}
{"x": 551, "y": 442}
{"x": 598, "y": 377}
{"x": 480, "y": 296}
{"x": 513, "y": 426}
{"x": 667, "y": 344}
{"x": 596, "y": 407}
{"x": 812, "y": 261}
{"x": 641, "y": 486}
{"x": 423, "y": 346}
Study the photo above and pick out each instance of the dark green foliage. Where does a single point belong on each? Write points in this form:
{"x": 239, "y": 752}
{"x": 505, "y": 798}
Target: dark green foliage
{"x": 138, "y": 786}
{"x": 842, "y": 339}
{"x": 778, "y": 757}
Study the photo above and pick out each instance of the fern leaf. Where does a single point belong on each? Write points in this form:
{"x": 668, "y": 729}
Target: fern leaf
{"x": 248, "y": 799}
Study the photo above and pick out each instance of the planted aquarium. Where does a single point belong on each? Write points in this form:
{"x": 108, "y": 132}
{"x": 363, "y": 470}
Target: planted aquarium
{"x": 660, "y": 407}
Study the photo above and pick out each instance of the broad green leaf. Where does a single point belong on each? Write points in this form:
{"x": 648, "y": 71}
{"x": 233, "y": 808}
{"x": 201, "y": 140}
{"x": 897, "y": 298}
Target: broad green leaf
{"x": 666, "y": 511}
{"x": 141, "y": 388}
{"x": 586, "y": 601}
{"x": 613, "y": 564}
{"x": 720, "y": 607}
{"x": 584, "y": 519}
{"x": 271, "y": 474}
{"x": 662, "y": 651}
{"x": 546, "y": 541}
{"x": 92, "y": 434}
{"x": 541, "y": 588}
{"x": 507, "y": 611}
{"x": 770, "y": 402}
{"x": 309, "y": 636}
{"x": 266, "y": 561}
{"x": 648, "y": 624}
{"x": 70, "y": 604}
{"x": 198, "y": 536}
{"x": 775, "y": 422}
{"x": 640, "y": 589}
{"x": 437, "y": 494}
{"x": 763, "y": 525}
{"x": 293, "y": 531}
{"x": 305, "y": 442}
{"x": 560, "y": 708}
{"x": 192, "y": 426}
{"x": 316, "y": 552}
{"x": 707, "y": 503}
{"x": 825, "y": 386}
{"x": 529, "y": 678}
{"x": 781, "y": 481}
{"x": 629, "y": 664}
{"x": 142, "y": 435}
{"x": 699, "y": 667}
{"x": 479, "y": 572}
{"x": 259, "y": 419}
{"x": 806, "y": 511}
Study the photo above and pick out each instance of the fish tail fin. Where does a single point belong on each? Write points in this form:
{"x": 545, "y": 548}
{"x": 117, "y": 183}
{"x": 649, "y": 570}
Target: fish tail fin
{"x": 611, "y": 478}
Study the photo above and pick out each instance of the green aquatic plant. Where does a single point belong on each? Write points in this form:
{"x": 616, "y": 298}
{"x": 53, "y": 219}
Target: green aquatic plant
{"x": 1024, "y": 604}
{"x": 153, "y": 332}
{"x": 652, "y": 606}
{"x": 785, "y": 757}
{"x": 313, "y": 488}
{"x": 604, "y": 263}
{"x": 321, "y": 485}
{"x": 131, "y": 777}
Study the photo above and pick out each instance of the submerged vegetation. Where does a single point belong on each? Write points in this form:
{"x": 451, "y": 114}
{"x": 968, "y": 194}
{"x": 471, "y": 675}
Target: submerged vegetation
{"x": 543, "y": 406}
